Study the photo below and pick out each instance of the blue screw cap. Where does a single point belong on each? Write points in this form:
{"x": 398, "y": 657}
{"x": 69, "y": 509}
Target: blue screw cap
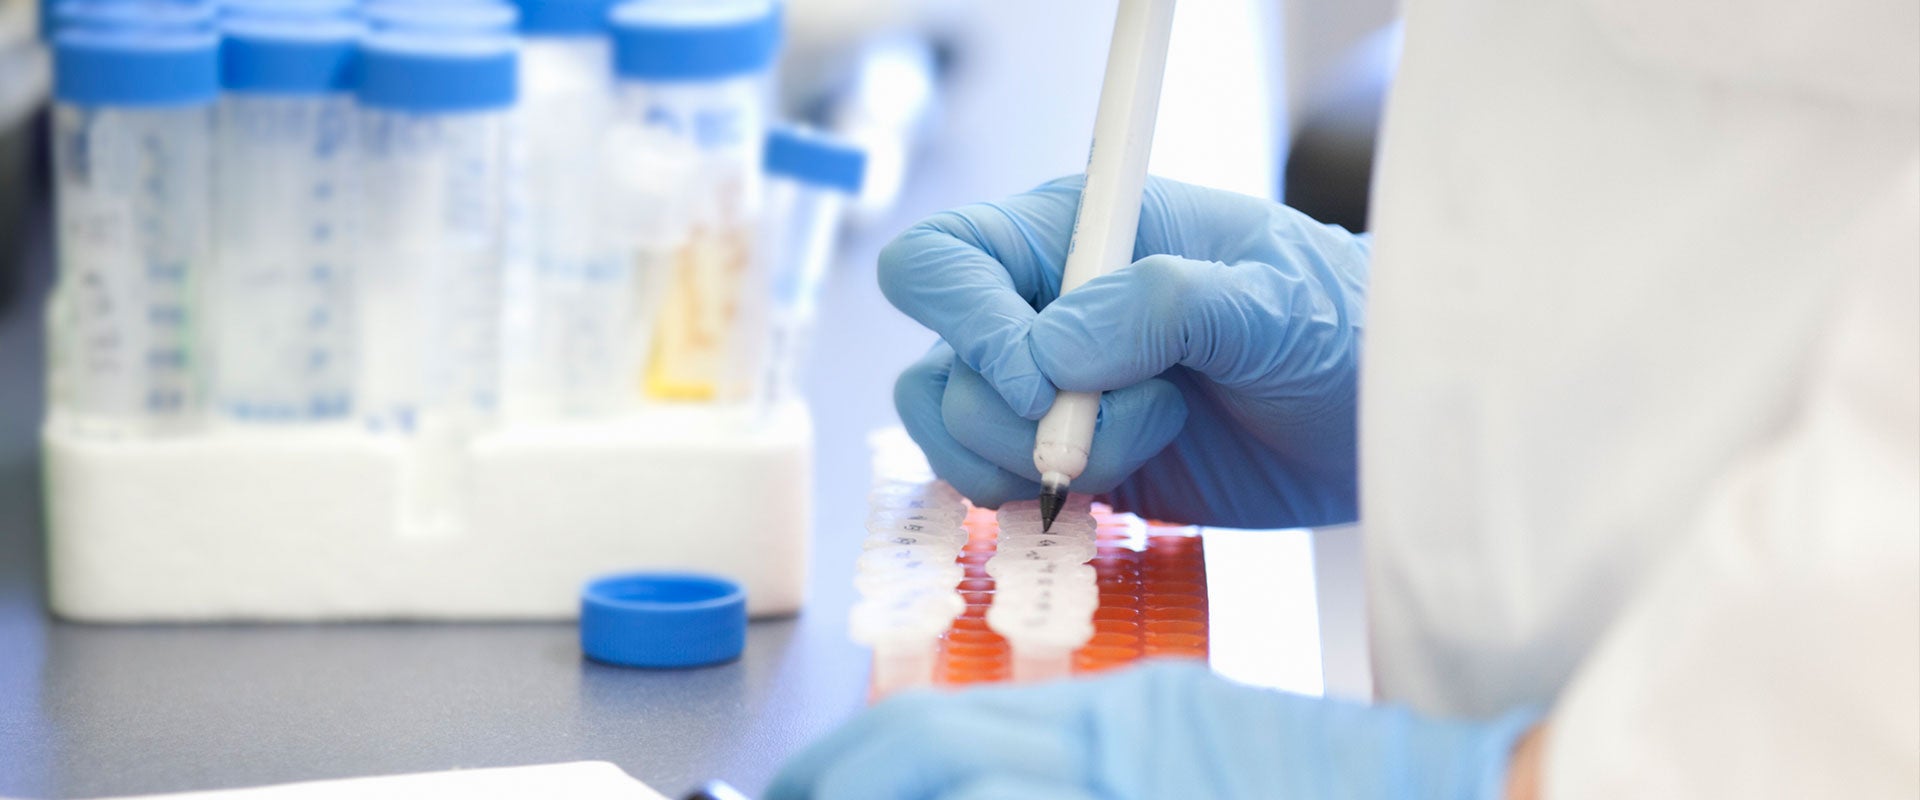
{"x": 438, "y": 72}
{"x": 289, "y": 56}
{"x": 663, "y": 620}
{"x": 136, "y": 68}
{"x": 815, "y": 159}
{"x": 665, "y": 40}
{"x": 564, "y": 17}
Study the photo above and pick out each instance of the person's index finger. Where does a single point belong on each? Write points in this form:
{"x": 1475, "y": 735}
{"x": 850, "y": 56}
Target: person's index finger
{"x": 975, "y": 276}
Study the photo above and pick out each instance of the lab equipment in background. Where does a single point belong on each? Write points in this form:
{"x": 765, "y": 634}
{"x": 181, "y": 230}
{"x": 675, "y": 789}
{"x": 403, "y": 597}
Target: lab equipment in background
{"x": 811, "y": 178}
{"x": 1105, "y": 591}
{"x": 133, "y": 125}
{"x": 692, "y": 102}
{"x": 433, "y": 140}
{"x": 428, "y": 506}
{"x": 434, "y": 147}
{"x": 570, "y": 293}
{"x": 887, "y": 107}
{"x": 279, "y": 298}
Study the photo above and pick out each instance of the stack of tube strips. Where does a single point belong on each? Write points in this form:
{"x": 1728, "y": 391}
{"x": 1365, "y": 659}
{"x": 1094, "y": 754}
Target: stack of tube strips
{"x": 1045, "y": 594}
{"x": 1100, "y": 590}
{"x": 407, "y": 214}
{"x": 907, "y": 573}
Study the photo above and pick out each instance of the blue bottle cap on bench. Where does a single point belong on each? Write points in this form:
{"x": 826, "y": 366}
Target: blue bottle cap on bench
{"x": 289, "y": 55}
{"x": 136, "y": 67}
{"x": 814, "y": 159}
{"x": 438, "y": 72}
{"x": 666, "y": 40}
{"x": 663, "y": 620}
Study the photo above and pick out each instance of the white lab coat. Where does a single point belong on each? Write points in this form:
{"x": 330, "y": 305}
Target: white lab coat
{"x": 1641, "y": 410}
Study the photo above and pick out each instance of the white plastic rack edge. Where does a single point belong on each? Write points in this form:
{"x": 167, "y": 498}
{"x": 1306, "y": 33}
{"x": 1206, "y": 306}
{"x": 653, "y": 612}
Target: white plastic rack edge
{"x": 278, "y": 526}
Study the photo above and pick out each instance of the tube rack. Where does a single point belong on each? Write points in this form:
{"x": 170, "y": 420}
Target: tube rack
{"x": 955, "y": 595}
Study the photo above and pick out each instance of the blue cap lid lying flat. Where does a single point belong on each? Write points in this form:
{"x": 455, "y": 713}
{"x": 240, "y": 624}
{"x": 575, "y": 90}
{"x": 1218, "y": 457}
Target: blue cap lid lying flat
{"x": 289, "y": 55}
{"x": 564, "y": 17}
{"x": 438, "y": 72}
{"x": 815, "y": 159}
{"x": 136, "y": 68}
{"x": 663, "y": 619}
{"x": 674, "y": 40}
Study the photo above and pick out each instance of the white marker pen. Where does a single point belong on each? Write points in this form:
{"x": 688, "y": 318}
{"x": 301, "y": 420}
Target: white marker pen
{"x": 1109, "y": 213}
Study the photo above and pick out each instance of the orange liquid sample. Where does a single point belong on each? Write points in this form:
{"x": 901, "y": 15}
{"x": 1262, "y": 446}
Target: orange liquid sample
{"x": 1152, "y": 601}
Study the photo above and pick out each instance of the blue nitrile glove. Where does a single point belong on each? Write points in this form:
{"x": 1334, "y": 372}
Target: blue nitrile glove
{"x": 1159, "y": 731}
{"x": 1229, "y": 352}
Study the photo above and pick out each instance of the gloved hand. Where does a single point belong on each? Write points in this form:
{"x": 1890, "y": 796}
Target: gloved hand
{"x": 1153, "y": 732}
{"x": 1229, "y": 352}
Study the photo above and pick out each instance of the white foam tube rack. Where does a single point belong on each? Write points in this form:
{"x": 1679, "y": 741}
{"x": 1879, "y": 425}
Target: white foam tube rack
{"x": 315, "y": 525}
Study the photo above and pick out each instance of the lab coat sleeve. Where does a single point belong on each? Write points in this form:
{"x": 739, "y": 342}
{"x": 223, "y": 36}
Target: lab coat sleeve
{"x": 1777, "y": 652}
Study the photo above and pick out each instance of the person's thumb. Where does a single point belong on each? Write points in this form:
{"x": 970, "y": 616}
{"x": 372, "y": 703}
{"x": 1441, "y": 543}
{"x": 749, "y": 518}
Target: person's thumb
{"x": 1234, "y": 323}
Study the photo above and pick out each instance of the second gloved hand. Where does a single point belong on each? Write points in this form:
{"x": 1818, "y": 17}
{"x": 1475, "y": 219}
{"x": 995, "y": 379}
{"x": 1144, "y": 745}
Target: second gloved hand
{"x": 1228, "y": 351}
{"x": 1158, "y": 731}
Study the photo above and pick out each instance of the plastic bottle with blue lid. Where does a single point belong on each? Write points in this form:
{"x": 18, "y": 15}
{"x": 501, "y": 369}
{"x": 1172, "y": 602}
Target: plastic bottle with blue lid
{"x": 434, "y": 114}
{"x": 280, "y": 327}
{"x": 694, "y": 87}
{"x": 571, "y": 291}
{"x": 133, "y": 126}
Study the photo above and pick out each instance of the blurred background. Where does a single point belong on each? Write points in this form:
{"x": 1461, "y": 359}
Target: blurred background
{"x": 1264, "y": 97}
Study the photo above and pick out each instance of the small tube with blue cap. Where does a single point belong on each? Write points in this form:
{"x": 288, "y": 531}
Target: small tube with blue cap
{"x": 133, "y": 126}
{"x": 691, "y": 118}
{"x": 280, "y": 322}
{"x": 811, "y": 179}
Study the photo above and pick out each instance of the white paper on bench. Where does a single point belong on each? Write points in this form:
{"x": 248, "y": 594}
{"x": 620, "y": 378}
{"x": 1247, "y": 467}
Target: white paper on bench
{"x": 578, "y": 780}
